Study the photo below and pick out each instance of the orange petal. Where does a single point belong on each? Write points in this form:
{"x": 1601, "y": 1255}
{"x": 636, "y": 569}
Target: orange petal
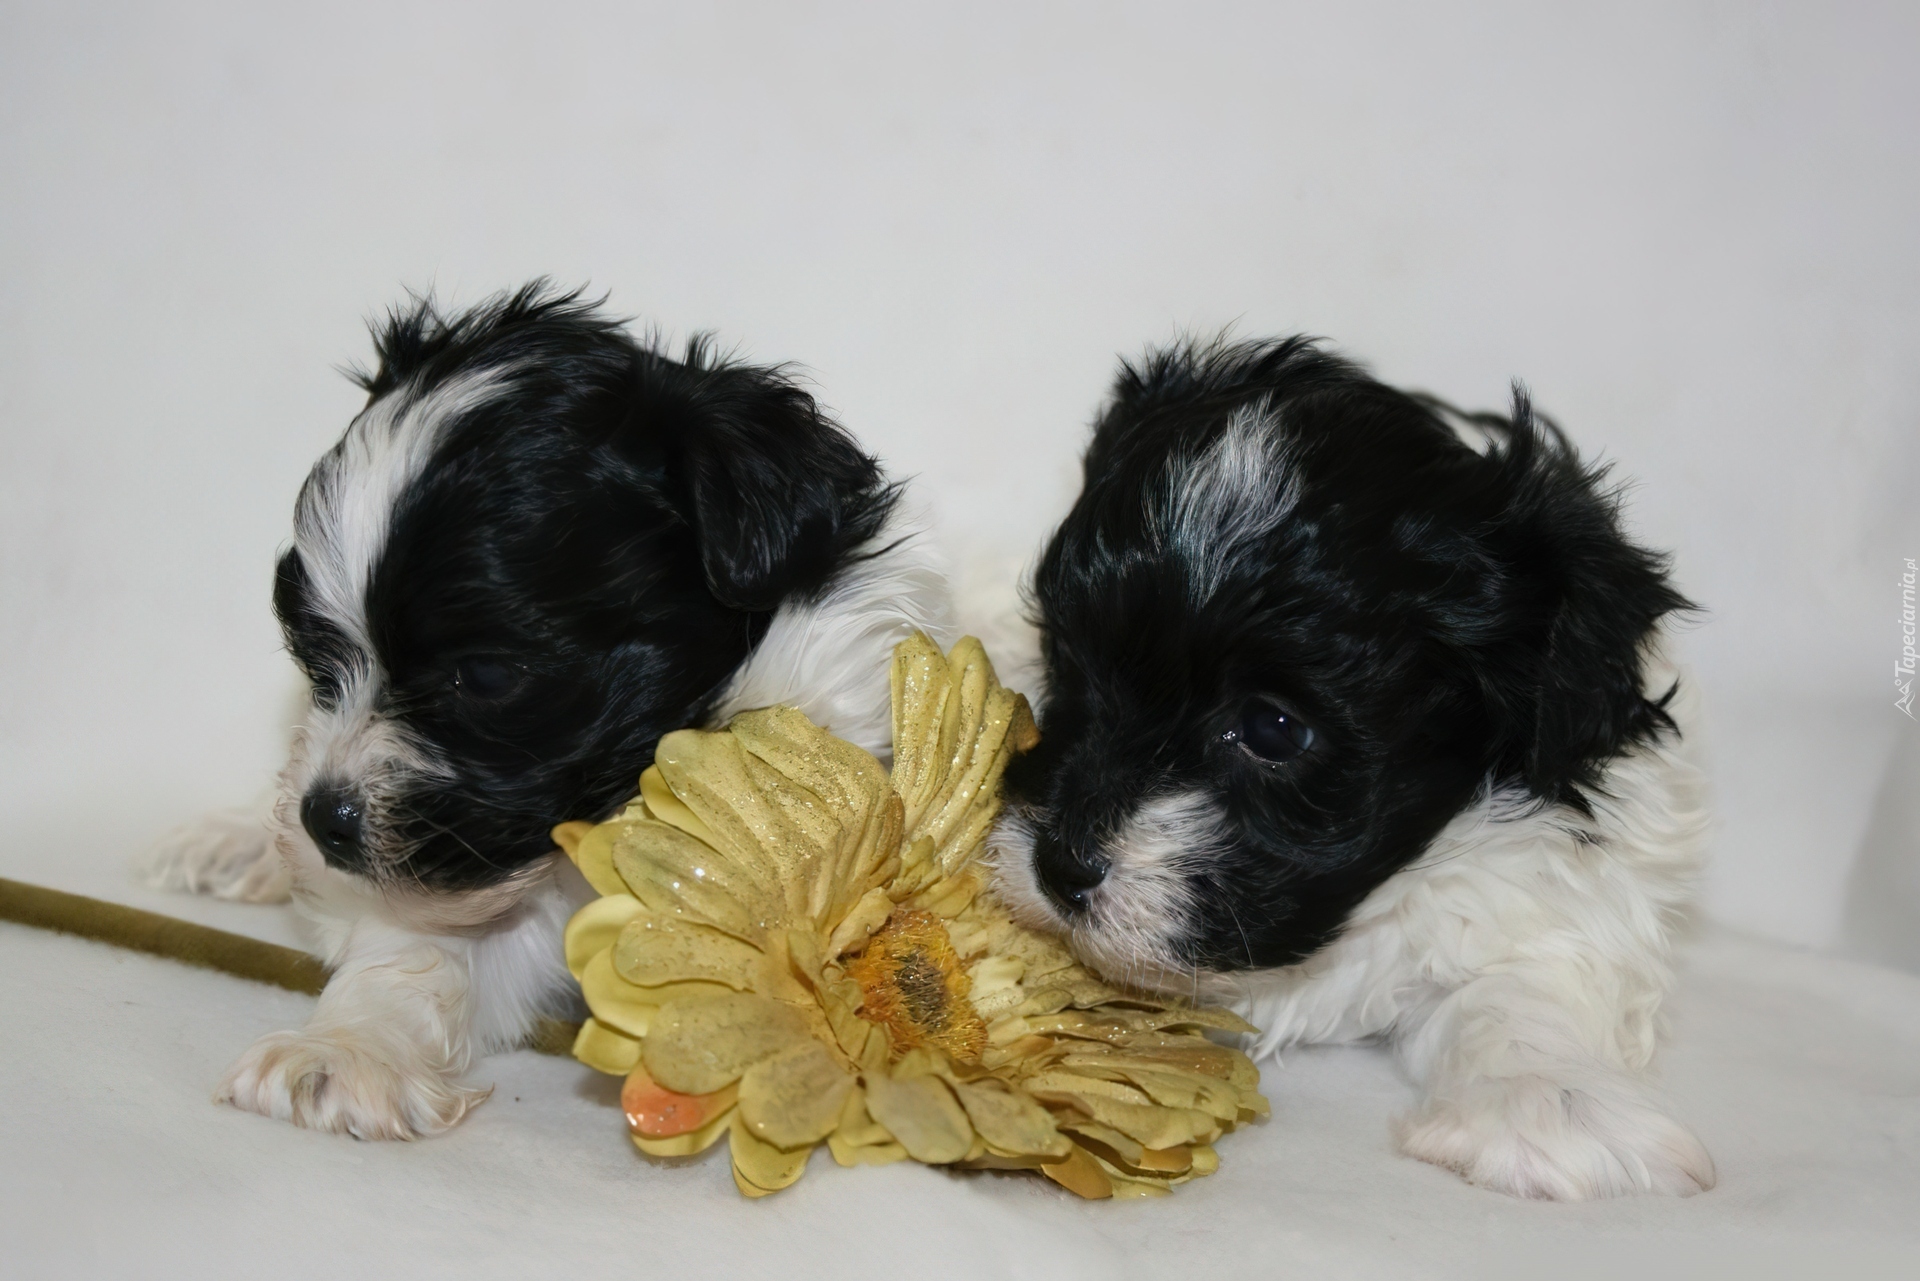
{"x": 658, "y": 1113}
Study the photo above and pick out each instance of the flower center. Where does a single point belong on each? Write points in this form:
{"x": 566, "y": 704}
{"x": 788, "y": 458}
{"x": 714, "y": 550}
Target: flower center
{"x": 914, "y": 987}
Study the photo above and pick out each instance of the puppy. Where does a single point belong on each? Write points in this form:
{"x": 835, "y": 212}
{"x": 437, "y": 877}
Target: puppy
{"x": 1356, "y": 709}
{"x": 539, "y": 547}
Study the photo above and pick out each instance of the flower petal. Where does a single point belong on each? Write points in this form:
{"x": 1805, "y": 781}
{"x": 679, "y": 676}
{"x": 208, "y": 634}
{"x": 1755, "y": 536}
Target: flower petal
{"x": 595, "y": 926}
{"x": 1215, "y": 1019}
{"x": 670, "y": 809}
{"x": 710, "y": 773}
{"x": 699, "y": 1046}
{"x": 1081, "y": 1175}
{"x": 1075, "y": 1084}
{"x": 993, "y": 974}
{"x": 1127, "y": 1185}
{"x": 606, "y": 1050}
{"x": 1119, "y": 1027}
{"x": 866, "y": 916}
{"x": 951, "y": 788}
{"x": 760, "y": 1168}
{"x": 794, "y": 1098}
{"x": 613, "y": 1000}
{"x": 857, "y": 1126}
{"x": 1010, "y": 1121}
{"x": 652, "y": 950}
{"x": 849, "y": 1154}
{"x": 592, "y": 852}
{"x": 1146, "y": 1124}
{"x": 1178, "y": 1090}
{"x": 1190, "y": 1055}
{"x": 688, "y": 1144}
{"x": 867, "y": 1046}
{"x": 923, "y": 735}
{"x": 655, "y": 1112}
{"x": 567, "y": 835}
{"x": 839, "y": 782}
{"x": 848, "y": 781}
{"x": 676, "y": 875}
{"x": 922, "y": 1114}
{"x": 1104, "y": 1140}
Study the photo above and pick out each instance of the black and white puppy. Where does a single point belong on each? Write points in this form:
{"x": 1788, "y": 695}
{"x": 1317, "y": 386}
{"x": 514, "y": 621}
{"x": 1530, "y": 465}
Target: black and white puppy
{"x": 538, "y": 548}
{"x": 1356, "y": 710}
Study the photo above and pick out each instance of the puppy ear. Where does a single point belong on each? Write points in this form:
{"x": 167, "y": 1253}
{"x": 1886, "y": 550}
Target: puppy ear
{"x": 1597, "y": 598}
{"x": 777, "y": 493}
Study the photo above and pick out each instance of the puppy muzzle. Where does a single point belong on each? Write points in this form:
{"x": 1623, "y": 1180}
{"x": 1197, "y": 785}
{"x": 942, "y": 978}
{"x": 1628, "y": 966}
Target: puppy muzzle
{"x": 1069, "y": 874}
{"x": 335, "y": 817}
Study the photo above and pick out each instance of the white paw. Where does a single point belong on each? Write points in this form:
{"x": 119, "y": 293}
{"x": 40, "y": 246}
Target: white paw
{"x": 1535, "y": 1137}
{"x": 229, "y": 854}
{"x": 345, "y": 1083}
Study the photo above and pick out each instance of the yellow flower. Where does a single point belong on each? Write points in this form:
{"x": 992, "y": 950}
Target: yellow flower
{"x": 795, "y": 947}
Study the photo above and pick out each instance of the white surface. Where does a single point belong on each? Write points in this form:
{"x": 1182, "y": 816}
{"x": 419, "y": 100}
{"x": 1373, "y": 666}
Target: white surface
{"x": 1801, "y": 1073}
{"x": 1689, "y": 226}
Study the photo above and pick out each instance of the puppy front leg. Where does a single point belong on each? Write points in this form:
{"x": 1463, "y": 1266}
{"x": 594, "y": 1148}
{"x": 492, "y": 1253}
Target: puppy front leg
{"x": 382, "y": 1056}
{"x": 229, "y": 854}
{"x": 1535, "y": 1085}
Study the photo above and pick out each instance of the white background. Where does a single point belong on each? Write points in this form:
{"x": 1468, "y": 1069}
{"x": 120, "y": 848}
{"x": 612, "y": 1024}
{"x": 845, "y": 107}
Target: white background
{"x": 1690, "y": 228}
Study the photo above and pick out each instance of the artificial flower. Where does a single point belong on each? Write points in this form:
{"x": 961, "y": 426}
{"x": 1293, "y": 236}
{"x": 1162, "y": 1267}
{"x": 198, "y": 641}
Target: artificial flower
{"x": 796, "y": 946}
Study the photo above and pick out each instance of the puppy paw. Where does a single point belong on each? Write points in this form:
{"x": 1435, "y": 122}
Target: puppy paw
{"x": 1535, "y": 1137}
{"x": 345, "y": 1084}
{"x": 228, "y": 853}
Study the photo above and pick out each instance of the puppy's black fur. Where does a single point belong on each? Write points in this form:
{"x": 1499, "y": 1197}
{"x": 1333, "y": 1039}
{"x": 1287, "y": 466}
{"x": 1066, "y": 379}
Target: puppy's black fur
{"x": 590, "y": 552}
{"x": 1409, "y": 622}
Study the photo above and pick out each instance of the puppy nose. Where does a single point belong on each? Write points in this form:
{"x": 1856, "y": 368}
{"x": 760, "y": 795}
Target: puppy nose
{"x": 1067, "y": 875}
{"x": 332, "y": 818}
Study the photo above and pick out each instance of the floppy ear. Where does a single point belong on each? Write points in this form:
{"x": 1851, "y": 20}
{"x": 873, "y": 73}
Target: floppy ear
{"x": 776, "y": 492}
{"x": 1598, "y": 598}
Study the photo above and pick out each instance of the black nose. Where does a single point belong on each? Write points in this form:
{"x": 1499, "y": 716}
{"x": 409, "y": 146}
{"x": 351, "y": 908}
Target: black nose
{"x": 1066, "y": 874}
{"x": 331, "y": 816}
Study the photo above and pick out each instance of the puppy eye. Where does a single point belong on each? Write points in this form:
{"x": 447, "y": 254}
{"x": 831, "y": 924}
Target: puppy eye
{"x": 486, "y": 677}
{"x": 1270, "y": 732}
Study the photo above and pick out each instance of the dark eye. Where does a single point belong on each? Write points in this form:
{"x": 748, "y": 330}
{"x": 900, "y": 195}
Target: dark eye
{"x": 1271, "y": 732}
{"x": 487, "y": 677}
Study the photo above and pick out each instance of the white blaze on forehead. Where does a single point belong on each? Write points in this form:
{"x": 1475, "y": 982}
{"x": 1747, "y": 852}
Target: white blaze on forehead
{"x": 346, "y": 508}
{"x": 1218, "y": 506}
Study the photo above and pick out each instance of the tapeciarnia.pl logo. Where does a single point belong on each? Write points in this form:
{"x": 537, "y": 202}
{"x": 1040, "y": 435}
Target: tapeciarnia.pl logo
{"x": 1904, "y": 665}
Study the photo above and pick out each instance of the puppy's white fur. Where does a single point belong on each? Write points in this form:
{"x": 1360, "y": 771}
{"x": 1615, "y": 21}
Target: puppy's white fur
{"x": 1517, "y": 969}
{"x": 1127, "y": 934}
{"x": 424, "y": 984}
{"x": 227, "y": 853}
{"x": 825, "y": 656}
